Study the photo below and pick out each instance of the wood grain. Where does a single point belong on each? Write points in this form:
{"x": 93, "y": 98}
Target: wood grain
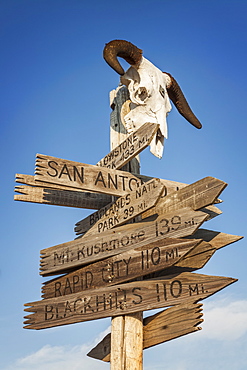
{"x": 123, "y": 267}
{"x": 123, "y": 299}
{"x": 130, "y": 147}
{"x": 66, "y": 256}
{"x": 197, "y": 195}
{"x": 123, "y": 209}
{"x": 166, "y": 325}
{"x": 84, "y": 176}
{"x": 128, "y": 329}
{"x": 66, "y": 198}
{"x": 200, "y": 255}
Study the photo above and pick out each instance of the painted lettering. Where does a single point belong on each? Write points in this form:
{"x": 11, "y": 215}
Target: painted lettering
{"x": 100, "y": 179}
{"x": 57, "y": 287}
{"x": 173, "y": 253}
{"x": 49, "y": 312}
{"x": 127, "y": 265}
{"x": 111, "y": 181}
{"x": 155, "y": 256}
{"x": 77, "y": 174}
{"x": 100, "y": 247}
{"x": 193, "y": 289}
{"x": 65, "y": 171}
{"x": 75, "y": 305}
{"x": 86, "y": 304}
{"x": 51, "y": 164}
{"x": 67, "y": 309}
{"x": 176, "y": 288}
{"x": 137, "y": 295}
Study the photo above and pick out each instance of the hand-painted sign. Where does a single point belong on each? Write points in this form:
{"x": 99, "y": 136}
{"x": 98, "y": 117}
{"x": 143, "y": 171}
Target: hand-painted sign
{"x": 200, "y": 255}
{"x": 79, "y": 252}
{"x": 84, "y": 176}
{"x": 123, "y": 267}
{"x": 68, "y": 198}
{"x": 130, "y": 147}
{"x": 123, "y": 299}
{"x": 40, "y": 192}
{"x": 166, "y": 325}
{"x": 197, "y": 195}
{"x": 123, "y": 209}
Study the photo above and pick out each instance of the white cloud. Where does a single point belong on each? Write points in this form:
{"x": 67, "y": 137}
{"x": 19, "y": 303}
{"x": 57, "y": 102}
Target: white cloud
{"x": 226, "y": 321}
{"x": 225, "y": 324}
{"x": 61, "y": 357}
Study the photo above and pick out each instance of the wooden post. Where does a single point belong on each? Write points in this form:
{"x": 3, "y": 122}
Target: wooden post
{"x": 127, "y": 330}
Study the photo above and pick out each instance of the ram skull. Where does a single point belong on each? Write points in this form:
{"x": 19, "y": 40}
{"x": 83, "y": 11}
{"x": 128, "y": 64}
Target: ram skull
{"x": 150, "y": 91}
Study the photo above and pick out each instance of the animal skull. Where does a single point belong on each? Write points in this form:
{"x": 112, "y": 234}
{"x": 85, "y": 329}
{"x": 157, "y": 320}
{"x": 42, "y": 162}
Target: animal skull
{"x": 149, "y": 89}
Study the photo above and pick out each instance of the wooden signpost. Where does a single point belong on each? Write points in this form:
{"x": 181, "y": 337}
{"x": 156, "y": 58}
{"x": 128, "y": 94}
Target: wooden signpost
{"x": 123, "y": 209}
{"x": 130, "y": 147}
{"x": 130, "y": 265}
{"x": 195, "y": 196}
{"x": 84, "y": 176}
{"x": 123, "y": 299}
{"x": 201, "y": 254}
{"x": 137, "y": 251}
{"x": 46, "y": 193}
{"x": 166, "y": 325}
{"x": 64, "y": 257}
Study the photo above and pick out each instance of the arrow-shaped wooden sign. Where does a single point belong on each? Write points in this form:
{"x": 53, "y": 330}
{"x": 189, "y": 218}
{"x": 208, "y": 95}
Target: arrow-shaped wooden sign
{"x": 123, "y": 299}
{"x": 46, "y": 193}
{"x": 130, "y": 147}
{"x": 84, "y": 176}
{"x": 166, "y": 325}
{"x": 200, "y": 255}
{"x": 49, "y": 193}
{"x": 123, "y": 209}
{"x": 66, "y": 198}
{"x": 123, "y": 267}
{"x": 79, "y": 252}
{"x": 197, "y": 195}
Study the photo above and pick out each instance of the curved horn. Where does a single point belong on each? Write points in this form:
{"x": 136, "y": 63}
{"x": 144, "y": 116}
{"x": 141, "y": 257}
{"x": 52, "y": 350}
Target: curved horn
{"x": 177, "y": 97}
{"x": 122, "y": 49}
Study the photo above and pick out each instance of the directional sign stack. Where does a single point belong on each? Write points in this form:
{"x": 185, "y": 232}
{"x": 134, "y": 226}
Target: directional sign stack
{"x": 102, "y": 265}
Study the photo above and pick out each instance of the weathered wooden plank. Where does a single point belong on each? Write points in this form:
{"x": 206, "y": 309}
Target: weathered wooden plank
{"x": 172, "y": 323}
{"x": 166, "y": 325}
{"x": 84, "y": 176}
{"x": 197, "y": 195}
{"x": 65, "y": 256}
{"x": 69, "y": 197}
{"x": 126, "y": 330}
{"x": 130, "y": 147}
{"x": 169, "y": 185}
{"x": 123, "y": 299}
{"x": 87, "y": 223}
{"x": 200, "y": 255}
{"x": 212, "y": 211}
{"x": 123, "y": 209}
{"x": 127, "y": 340}
{"x": 102, "y": 351}
{"x": 123, "y": 267}
{"x": 216, "y": 238}
{"x": 80, "y": 198}
{"x": 65, "y": 198}
{"x": 172, "y": 186}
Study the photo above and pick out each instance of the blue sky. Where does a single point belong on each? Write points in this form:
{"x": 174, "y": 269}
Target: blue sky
{"x": 54, "y": 100}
